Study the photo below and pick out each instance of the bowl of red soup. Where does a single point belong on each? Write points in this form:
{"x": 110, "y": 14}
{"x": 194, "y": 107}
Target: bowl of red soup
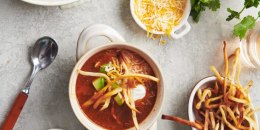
{"x": 116, "y": 85}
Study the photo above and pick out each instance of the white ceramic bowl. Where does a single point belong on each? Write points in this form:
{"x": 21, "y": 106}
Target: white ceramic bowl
{"x": 178, "y": 31}
{"x": 50, "y": 2}
{"x": 102, "y": 30}
{"x": 200, "y": 85}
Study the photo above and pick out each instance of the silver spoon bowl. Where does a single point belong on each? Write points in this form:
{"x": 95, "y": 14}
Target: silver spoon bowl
{"x": 43, "y": 53}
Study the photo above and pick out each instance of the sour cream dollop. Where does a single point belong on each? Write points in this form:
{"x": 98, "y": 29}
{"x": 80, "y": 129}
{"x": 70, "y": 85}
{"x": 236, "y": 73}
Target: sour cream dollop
{"x": 139, "y": 92}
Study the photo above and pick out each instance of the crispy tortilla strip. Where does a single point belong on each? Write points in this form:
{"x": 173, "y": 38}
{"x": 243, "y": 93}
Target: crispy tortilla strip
{"x": 226, "y": 67}
{"x": 107, "y": 95}
{"x": 212, "y": 119}
{"x": 126, "y": 98}
{"x": 199, "y": 94}
{"x": 206, "y": 121}
{"x": 216, "y": 89}
{"x": 107, "y": 102}
{"x": 249, "y": 85}
{"x": 234, "y": 69}
{"x": 100, "y": 93}
{"x": 238, "y": 100}
{"x": 94, "y": 74}
{"x": 222, "y": 125}
{"x": 252, "y": 112}
{"x": 225, "y": 119}
{"x": 247, "y": 110}
{"x": 96, "y": 96}
{"x": 132, "y": 102}
{"x": 105, "y": 106}
{"x": 141, "y": 76}
{"x": 217, "y": 74}
{"x": 216, "y": 127}
{"x": 208, "y": 101}
{"x": 206, "y": 92}
{"x": 182, "y": 121}
{"x": 238, "y": 72}
{"x": 232, "y": 115}
{"x": 252, "y": 123}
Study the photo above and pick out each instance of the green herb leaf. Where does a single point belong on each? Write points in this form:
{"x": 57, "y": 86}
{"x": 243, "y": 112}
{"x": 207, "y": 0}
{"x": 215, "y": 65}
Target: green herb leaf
{"x": 259, "y": 14}
{"x": 198, "y": 6}
{"x": 195, "y": 16}
{"x": 204, "y": 1}
{"x": 241, "y": 28}
{"x": 251, "y": 3}
{"x": 214, "y": 5}
{"x": 192, "y": 2}
{"x": 196, "y": 10}
{"x": 233, "y": 14}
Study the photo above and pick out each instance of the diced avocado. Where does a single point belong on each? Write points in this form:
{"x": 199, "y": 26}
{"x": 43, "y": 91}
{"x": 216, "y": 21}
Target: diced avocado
{"x": 103, "y": 68}
{"x": 119, "y": 99}
{"x": 99, "y": 83}
{"x": 115, "y": 85}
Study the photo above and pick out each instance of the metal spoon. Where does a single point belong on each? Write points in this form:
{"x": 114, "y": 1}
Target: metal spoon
{"x": 43, "y": 53}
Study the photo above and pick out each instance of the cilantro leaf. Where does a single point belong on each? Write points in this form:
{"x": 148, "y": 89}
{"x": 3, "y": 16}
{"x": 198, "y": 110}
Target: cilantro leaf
{"x": 196, "y": 10}
{"x": 233, "y": 14}
{"x": 195, "y": 15}
{"x": 251, "y": 3}
{"x": 204, "y": 1}
{"x": 214, "y": 5}
{"x": 241, "y": 28}
{"x": 198, "y": 6}
{"x": 192, "y": 3}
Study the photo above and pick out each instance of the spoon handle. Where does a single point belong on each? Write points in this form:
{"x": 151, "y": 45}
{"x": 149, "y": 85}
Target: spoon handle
{"x": 15, "y": 112}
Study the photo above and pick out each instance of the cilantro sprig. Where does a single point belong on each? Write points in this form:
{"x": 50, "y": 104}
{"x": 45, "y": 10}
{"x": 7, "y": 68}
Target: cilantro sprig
{"x": 240, "y": 29}
{"x": 198, "y": 6}
{"x": 247, "y": 23}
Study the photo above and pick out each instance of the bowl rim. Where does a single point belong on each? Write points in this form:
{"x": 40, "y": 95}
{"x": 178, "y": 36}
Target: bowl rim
{"x": 82, "y": 117}
{"x": 198, "y": 85}
{"x": 48, "y": 3}
{"x": 184, "y": 18}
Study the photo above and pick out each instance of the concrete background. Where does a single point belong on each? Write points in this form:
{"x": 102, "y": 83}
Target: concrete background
{"x": 184, "y": 61}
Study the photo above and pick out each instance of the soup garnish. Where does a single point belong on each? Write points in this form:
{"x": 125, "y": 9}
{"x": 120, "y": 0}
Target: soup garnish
{"x": 225, "y": 103}
{"x": 118, "y": 74}
{"x": 159, "y": 15}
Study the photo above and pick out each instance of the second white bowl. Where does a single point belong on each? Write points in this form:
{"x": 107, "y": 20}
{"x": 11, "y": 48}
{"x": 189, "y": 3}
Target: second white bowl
{"x": 200, "y": 85}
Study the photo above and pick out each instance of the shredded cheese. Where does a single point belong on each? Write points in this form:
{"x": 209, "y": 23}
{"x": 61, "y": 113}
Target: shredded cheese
{"x": 159, "y": 15}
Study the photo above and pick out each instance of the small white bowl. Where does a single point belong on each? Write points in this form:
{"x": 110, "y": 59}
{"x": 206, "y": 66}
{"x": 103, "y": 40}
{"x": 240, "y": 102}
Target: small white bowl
{"x": 178, "y": 31}
{"x": 200, "y": 85}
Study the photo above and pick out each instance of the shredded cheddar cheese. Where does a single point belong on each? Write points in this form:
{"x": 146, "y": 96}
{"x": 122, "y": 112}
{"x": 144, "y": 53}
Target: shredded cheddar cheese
{"x": 159, "y": 15}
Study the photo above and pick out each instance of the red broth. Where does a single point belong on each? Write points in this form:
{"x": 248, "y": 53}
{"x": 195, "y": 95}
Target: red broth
{"x": 123, "y": 118}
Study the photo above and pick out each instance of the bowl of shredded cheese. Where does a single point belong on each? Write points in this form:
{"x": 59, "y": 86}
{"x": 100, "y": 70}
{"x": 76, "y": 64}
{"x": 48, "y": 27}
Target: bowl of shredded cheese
{"x": 162, "y": 17}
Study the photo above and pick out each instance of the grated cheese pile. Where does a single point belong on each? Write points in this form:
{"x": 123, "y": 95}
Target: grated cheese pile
{"x": 159, "y": 15}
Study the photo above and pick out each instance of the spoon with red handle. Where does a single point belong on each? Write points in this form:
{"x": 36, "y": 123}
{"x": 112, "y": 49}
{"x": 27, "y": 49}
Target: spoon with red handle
{"x": 43, "y": 53}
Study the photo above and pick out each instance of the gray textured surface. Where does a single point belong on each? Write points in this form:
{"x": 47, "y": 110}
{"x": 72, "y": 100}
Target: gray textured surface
{"x": 184, "y": 61}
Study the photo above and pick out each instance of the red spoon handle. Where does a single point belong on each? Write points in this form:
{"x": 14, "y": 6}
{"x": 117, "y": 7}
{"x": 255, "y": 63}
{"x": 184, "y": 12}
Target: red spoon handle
{"x": 15, "y": 112}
